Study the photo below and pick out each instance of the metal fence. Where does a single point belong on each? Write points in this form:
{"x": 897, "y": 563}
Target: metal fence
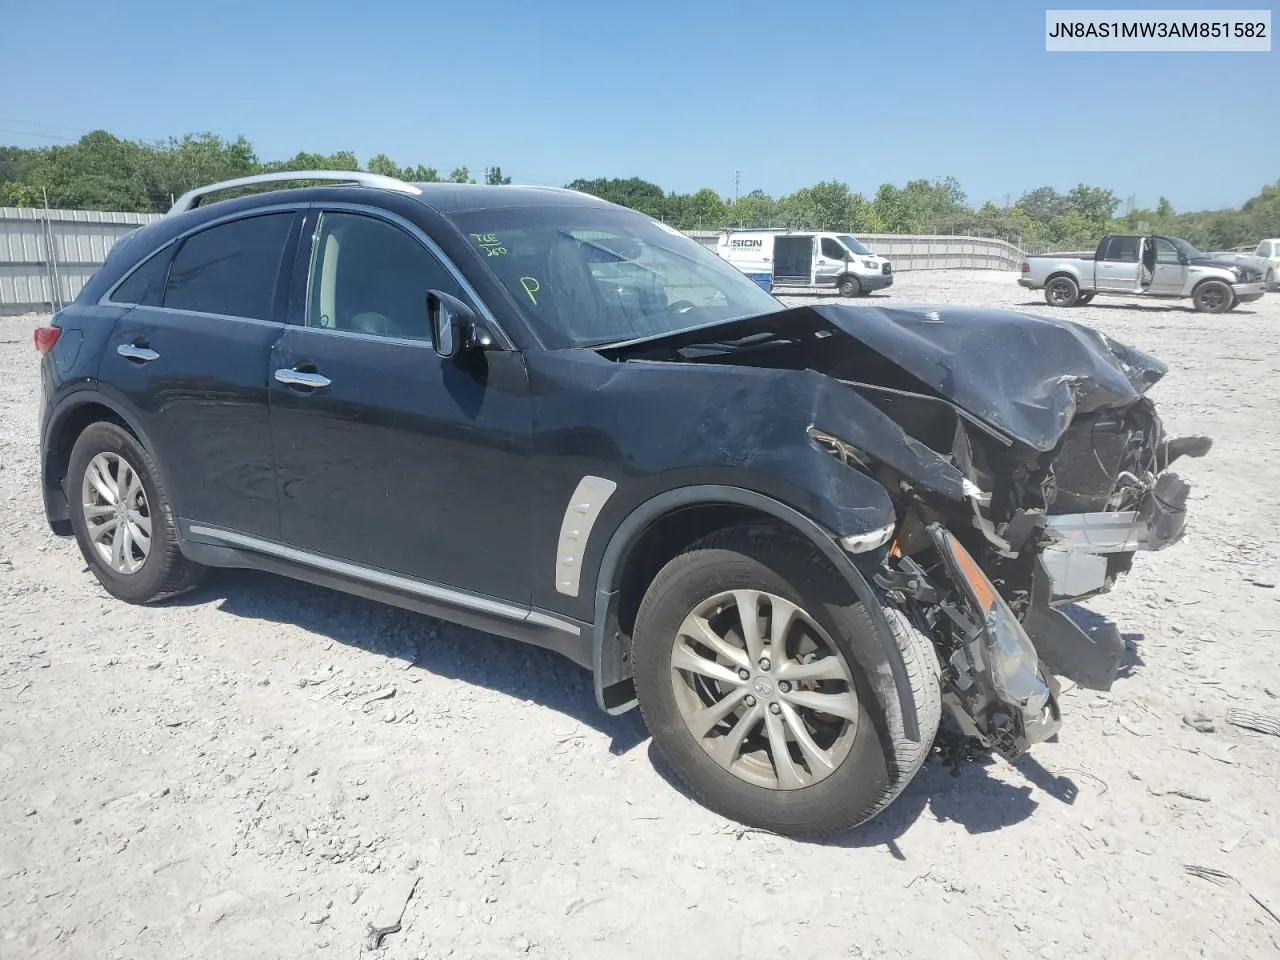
{"x": 46, "y": 256}
{"x": 31, "y": 279}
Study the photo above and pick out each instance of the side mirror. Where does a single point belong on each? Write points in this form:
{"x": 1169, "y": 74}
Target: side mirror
{"x": 454, "y": 328}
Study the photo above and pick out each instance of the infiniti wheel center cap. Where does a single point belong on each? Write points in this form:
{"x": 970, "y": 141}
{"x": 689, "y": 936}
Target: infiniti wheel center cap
{"x": 763, "y": 687}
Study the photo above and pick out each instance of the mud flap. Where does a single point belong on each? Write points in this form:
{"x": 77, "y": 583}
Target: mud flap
{"x": 1090, "y": 659}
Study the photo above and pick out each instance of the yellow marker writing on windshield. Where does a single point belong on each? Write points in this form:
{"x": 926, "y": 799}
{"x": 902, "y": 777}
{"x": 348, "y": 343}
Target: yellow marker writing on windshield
{"x": 531, "y": 286}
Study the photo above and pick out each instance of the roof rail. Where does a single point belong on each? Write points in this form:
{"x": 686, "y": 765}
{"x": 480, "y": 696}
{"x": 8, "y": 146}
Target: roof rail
{"x": 191, "y": 198}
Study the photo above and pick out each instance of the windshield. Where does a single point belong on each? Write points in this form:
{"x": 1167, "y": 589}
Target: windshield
{"x": 586, "y": 276}
{"x": 1186, "y": 249}
{"x": 854, "y": 245}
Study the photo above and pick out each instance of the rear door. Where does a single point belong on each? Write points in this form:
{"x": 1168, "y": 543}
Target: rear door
{"x": 1118, "y": 265}
{"x": 191, "y": 358}
{"x": 389, "y": 457}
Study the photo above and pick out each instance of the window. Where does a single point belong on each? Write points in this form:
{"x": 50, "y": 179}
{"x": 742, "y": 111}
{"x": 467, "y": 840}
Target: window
{"x": 832, "y": 250}
{"x": 1166, "y": 252}
{"x": 230, "y": 269}
{"x": 1123, "y": 249}
{"x": 853, "y": 244}
{"x": 145, "y": 285}
{"x": 585, "y": 275}
{"x": 369, "y": 276}
{"x": 1264, "y": 249}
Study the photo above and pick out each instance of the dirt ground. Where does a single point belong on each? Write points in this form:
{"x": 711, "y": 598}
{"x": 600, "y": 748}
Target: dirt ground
{"x": 249, "y": 771}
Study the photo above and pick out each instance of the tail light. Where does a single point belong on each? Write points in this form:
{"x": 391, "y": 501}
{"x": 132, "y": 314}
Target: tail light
{"x": 45, "y": 338}
{"x": 1026, "y": 267}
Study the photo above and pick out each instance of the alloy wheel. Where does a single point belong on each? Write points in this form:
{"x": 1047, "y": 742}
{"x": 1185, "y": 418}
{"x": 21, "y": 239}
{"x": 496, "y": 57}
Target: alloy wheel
{"x": 764, "y": 690}
{"x": 116, "y": 512}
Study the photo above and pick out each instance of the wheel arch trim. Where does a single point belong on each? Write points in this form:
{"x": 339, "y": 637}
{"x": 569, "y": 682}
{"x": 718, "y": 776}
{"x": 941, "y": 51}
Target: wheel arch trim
{"x": 629, "y": 531}
{"x": 95, "y": 395}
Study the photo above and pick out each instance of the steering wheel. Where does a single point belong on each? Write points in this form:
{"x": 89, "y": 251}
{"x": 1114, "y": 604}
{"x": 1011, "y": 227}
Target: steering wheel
{"x": 370, "y": 321}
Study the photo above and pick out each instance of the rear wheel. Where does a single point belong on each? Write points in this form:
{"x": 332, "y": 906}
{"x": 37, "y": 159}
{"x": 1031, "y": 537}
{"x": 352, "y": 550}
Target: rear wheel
{"x": 762, "y": 679}
{"x": 122, "y": 519}
{"x": 1061, "y": 292}
{"x": 850, "y": 287}
{"x": 1213, "y": 296}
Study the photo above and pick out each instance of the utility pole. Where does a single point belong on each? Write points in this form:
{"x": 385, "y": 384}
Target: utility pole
{"x": 737, "y": 179}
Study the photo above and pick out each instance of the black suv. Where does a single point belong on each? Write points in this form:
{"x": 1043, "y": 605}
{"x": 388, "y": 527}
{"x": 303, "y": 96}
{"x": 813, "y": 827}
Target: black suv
{"x": 789, "y": 535}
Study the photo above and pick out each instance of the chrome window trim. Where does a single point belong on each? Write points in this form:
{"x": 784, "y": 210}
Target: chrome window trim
{"x": 395, "y": 581}
{"x": 212, "y": 316}
{"x": 338, "y": 206}
{"x": 106, "y": 301}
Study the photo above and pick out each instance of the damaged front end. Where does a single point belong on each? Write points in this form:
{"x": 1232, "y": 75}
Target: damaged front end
{"x": 1063, "y": 481}
{"x": 1026, "y": 468}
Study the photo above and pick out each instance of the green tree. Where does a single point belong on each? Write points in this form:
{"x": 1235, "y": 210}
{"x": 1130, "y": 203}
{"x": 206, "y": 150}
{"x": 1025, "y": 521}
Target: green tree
{"x": 493, "y": 176}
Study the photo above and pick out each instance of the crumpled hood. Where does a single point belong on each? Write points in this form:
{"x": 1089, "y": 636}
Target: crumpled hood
{"x": 1026, "y": 376}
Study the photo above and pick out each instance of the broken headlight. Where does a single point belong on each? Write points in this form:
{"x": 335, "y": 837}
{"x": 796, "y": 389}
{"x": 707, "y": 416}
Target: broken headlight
{"x": 996, "y": 654}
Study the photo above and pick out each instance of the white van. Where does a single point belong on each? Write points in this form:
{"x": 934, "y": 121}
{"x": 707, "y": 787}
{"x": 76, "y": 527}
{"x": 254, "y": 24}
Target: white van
{"x": 807, "y": 262}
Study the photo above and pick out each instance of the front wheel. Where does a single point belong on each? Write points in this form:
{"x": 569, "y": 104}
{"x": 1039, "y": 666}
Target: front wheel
{"x": 763, "y": 681}
{"x": 1269, "y": 283}
{"x": 1061, "y": 292}
{"x": 1213, "y": 296}
{"x": 122, "y": 519}
{"x": 850, "y": 287}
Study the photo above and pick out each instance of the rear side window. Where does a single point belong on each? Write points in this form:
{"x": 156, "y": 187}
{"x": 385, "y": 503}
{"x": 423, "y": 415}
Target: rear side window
{"x": 1124, "y": 249}
{"x": 231, "y": 269}
{"x": 832, "y": 249}
{"x": 145, "y": 286}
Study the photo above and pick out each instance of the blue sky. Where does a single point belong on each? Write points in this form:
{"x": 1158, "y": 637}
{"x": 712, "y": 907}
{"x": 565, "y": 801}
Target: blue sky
{"x": 681, "y": 93}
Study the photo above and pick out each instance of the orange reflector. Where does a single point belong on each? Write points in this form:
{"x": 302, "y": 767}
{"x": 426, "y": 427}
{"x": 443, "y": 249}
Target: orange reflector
{"x": 983, "y": 592}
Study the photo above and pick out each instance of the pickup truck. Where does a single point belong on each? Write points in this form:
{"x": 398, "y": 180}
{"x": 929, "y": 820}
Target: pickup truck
{"x": 1144, "y": 266}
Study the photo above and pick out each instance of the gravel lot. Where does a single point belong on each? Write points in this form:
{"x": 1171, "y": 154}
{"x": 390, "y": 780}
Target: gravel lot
{"x": 248, "y": 771}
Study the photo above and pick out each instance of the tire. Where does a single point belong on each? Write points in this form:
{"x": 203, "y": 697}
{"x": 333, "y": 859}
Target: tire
{"x": 1084, "y": 299}
{"x": 850, "y": 287}
{"x": 120, "y": 464}
{"x": 1213, "y": 296}
{"x": 1269, "y": 282}
{"x": 1061, "y": 291}
{"x": 870, "y": 758}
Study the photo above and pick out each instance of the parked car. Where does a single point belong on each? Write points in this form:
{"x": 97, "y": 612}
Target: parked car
{"x": 1269, "y": 252}
{"x": 807, "y": 262}
{"x": 1158, "y": 267}
{"x": 787, "y": 535}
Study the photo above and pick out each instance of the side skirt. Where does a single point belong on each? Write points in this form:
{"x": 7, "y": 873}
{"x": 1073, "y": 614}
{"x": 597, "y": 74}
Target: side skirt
{"x": 214, "y": 547}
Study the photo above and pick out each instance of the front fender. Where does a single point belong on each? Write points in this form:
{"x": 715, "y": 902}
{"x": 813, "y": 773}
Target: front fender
{"x": 609, "y": 648}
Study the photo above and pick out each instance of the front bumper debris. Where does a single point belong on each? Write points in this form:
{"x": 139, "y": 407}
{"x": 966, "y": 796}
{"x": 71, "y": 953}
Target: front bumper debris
{"x": 1076, "y": 561}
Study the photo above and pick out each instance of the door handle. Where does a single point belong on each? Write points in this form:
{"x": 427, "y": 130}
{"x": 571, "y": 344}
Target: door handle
{"x": 133, "y": 351}
{"x": 301, "y": 378}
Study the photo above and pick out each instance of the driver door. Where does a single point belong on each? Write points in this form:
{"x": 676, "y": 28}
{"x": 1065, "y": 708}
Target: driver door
{"x": 389, "y": 457}
{"x": 1170, "y": 274}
